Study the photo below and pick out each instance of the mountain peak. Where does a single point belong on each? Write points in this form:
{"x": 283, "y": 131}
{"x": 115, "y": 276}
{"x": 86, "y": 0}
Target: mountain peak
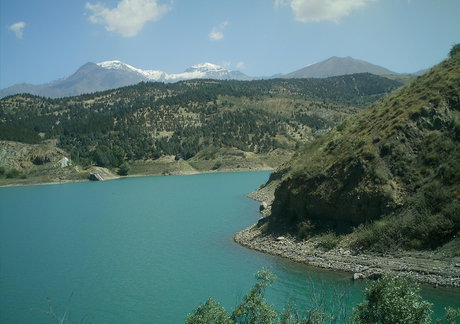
{"x": 118, "y": 65}
{"x": 335, "y": 66}
{"x": 111, "y": 64}
{"x": 205, "y": 67}
{"x": 112, "y": 74}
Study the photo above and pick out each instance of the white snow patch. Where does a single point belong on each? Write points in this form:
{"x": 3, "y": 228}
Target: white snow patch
{"x": 197, "y": 71}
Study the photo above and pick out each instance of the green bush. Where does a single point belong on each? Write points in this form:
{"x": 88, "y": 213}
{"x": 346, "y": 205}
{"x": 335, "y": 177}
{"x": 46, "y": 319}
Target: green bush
{"x": 450, "y": 175}
{"x": 436, "y": 196}
{"x": 209, "y": 313}
{"x": 415, "y": 228}
{"x": 452, "y": 211}
{"x": 392, "y": 300}
{"x": 379, "y": 176}
{"x": 217, "y": 165}
{"x": 305, "y": 229}
{"x": 389, "y": 300}
{"x": 124, "y": 169}
{"x": 254, "y": 309}
{"x": 380, "y": 236}
{"x": 328, "y": 241}
{"x": 454, "y": 50}
{"x": 13, "y": 173}
{"x": 432, "y": 230}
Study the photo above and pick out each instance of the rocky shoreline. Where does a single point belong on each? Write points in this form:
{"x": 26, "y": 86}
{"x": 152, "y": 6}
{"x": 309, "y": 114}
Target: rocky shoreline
{"x": 423, "y": 267}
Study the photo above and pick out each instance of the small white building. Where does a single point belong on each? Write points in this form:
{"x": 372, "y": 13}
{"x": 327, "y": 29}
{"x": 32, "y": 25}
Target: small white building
{"x": 65, "y": 162}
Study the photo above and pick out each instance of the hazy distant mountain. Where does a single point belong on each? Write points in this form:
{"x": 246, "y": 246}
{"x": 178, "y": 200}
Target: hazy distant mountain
{"x": 88, "y": 78}
{"x": 420, "y": 72}
{"x": 106, "y": 75}
{"x": 335, "y": 66}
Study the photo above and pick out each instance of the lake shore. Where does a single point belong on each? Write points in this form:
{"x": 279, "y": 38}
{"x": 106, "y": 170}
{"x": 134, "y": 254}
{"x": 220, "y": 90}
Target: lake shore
{"x": 426, "y": 267}
{"x": 38, "y": 182}
{"x": 28, "y": 173}
{"x": 423, "y": 267}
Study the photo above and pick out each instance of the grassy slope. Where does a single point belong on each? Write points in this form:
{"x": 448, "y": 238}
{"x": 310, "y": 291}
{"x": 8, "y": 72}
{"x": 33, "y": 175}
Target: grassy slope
{"x": 392, "y": 171}
{"x": 28, "y": 164}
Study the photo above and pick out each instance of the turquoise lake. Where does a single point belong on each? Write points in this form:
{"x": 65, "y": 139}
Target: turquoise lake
{"x": 146, "y": 250}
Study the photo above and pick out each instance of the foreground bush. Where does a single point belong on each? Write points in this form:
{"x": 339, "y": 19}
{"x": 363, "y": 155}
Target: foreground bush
{"x": 389, "y": 300}
{"x": 392, "y": 300}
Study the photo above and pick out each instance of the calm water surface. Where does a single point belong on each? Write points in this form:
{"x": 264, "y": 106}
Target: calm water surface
{"x": 145, "y": 250}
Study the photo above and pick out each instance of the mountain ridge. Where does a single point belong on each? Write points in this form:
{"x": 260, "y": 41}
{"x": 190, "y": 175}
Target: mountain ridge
{"x": 335, "y": 66}
{"x": 113, "y": 74}
{"x": 92, "y": 77}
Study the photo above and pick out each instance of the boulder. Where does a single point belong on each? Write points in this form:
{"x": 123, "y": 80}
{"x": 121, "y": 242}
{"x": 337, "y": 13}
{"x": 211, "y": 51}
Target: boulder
{"x": 358, "y": 276}
{"x": 263, "y": 206}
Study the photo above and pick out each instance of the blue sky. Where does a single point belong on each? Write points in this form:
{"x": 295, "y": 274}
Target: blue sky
{"x": 44, "y": 40}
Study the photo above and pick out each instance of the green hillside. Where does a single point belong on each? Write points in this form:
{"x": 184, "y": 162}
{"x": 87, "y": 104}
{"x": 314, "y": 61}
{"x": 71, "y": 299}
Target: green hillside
{"x": 190, "y": 119}
{"x": 389, "y": 175}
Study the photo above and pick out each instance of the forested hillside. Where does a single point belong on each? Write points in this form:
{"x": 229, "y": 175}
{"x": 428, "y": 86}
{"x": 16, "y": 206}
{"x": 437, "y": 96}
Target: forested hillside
{"x": 151, "y": 120}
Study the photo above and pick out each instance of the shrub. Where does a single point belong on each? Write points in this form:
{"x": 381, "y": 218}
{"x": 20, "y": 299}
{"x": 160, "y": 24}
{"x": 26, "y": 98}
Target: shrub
{"x": 431, "y": 230}
{"x": 452, "y": 314}
{"x": 379, "y": 176}
{"x": 328, "y": 241}
{"x": 209, "y": 313}
{"x": 305, "y": 229}
{"x": 392, "y": 300}
{"x": 389, "y": 300}
{"x": 254, "y": 309}
{"x": 452, "y": 211}
{"x": 217, "y": 165}
{"x": 13, "y": 173}
{"x": 454, "y": 50}
{"x": 436, "y": 195}
{"x": 124, "y": 169}
{"x": 40, "y": 160}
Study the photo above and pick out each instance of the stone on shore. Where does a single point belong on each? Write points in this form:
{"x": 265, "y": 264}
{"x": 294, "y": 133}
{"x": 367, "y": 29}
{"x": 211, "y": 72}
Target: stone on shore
{"x": 263, "y": 206}
{"x": 419, "y": 266}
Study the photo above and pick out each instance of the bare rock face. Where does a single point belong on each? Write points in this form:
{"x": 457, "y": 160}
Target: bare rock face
{"x": 338, "y": 199}
{"x": 21, "y": 156}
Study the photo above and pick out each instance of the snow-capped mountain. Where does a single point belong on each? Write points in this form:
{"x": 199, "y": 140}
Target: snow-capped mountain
{"x": 151, "y": 75}
{"x": 107, "y": 75}
{"x": 198, "y": 71}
